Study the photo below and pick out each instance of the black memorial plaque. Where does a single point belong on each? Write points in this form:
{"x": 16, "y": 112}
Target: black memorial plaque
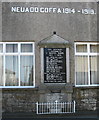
{"x": 54, "y": 65}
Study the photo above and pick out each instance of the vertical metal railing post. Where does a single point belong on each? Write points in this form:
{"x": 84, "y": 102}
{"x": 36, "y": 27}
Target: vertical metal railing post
{"x": 37, "y": 107}
{"x": 74, "y": 106}
{"x": 56, "y": 103}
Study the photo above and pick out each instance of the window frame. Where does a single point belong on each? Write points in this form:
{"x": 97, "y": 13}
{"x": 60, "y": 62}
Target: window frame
{"x": 88, "y": 54}
{"x": 19, "y": 54}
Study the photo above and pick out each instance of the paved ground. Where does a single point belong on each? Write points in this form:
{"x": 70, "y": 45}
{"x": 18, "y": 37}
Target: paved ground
{"x": 50, "y": 118}
{"x": 31, "y": 116}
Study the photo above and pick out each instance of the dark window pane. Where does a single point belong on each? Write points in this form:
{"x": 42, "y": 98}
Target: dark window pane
{"x": 1, "y": 48}
{"x": 26, "y": 48}
{"x": 26, "y": 70}
{"x": 1, "y": 70}
{"x": 94, "y": 48}
{"x": 94, "y": 70}
{"x": 11, "y": 48}
{"x": 81, "y": 70}
{"x": 11, "y": 70}
{"x": 81, "y": 48}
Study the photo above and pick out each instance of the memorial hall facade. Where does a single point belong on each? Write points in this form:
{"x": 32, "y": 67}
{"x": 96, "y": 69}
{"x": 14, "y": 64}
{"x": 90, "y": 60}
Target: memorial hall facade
{"x": 49, "y": 53}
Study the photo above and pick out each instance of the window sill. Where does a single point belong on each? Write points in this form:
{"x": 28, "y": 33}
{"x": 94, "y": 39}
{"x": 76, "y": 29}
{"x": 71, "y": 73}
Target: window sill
{"x": 86, "y": 86}
{"x": 17, "y": 86}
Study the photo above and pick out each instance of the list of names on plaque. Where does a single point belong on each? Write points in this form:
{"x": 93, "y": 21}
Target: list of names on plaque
{"x": 54, "y": 65}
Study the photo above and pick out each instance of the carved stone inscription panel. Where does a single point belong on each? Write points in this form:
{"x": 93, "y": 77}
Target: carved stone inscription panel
{"x": 54, "y": 65}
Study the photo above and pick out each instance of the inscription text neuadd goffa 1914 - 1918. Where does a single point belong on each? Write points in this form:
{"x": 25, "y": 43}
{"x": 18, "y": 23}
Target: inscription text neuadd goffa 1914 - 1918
{"x": 54, "y": 65}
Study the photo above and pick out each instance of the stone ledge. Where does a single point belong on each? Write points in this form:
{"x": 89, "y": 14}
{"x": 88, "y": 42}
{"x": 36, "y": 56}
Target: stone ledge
{"x": 20, "y": 89}
{"x": 56, "y": 88}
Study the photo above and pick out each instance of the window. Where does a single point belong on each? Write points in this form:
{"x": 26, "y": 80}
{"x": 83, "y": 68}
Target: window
{"x": 17, "y": 65}
{"x": 86, "y": 60}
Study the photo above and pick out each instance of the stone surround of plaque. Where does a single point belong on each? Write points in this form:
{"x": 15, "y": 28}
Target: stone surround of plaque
{"x": 54, "y": 59}
{"x": 54, "y": 65}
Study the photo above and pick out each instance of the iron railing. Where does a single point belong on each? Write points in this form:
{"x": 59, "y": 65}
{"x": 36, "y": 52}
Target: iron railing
{"x": 55, "y": 108}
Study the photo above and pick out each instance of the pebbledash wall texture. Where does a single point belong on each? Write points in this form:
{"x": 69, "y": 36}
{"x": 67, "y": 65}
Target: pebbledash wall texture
{"x": 50, "y": 26}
